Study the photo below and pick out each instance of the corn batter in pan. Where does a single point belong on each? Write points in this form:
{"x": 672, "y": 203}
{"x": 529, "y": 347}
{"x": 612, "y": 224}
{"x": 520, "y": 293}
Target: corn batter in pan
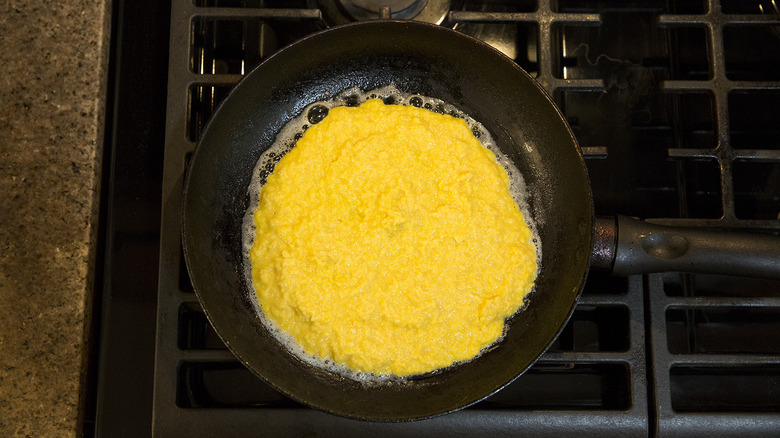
{"x": 387, "y": 241}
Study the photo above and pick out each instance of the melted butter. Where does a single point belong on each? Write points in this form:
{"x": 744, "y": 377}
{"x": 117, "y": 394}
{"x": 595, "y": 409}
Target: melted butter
{"x": 387, "y": 242}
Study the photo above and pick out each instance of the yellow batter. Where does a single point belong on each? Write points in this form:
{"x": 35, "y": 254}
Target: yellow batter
{"x": 387, "y": 241}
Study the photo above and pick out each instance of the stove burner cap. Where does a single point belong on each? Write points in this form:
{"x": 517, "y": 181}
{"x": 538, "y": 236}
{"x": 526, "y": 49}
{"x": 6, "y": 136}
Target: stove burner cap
{"x": 432, "y": 11}
{"x": 376, "y": 5}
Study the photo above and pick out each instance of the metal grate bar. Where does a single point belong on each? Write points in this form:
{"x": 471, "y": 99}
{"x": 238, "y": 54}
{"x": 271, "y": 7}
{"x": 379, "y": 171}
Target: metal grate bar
{"x": 594, "y": 152}
{"x": 703, "y": 302}
{"x": 307, "y": 422}
{"x": 724, "y": 359}
{"x": 547, "y": 16}
{"x": 753, "y": 85}
{"x": 741, "y": 154}
{"x": 717, "y": 425}
{"x": 212, "y": 79}
{"x": 576, "y": 84}
{"x": 683, "y": 86}
{"x": 601, "y": 300}
{"x": 206, "y": 356}
{"x": 293, "y": 14}
{"x": 757, "y": 155}
{"x": 588, "y": 358}
{"x": 719, "y": 19}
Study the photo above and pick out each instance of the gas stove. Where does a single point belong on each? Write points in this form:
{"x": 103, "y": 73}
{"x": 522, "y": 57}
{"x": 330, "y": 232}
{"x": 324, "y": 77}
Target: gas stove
{"x": 675, "y": 106}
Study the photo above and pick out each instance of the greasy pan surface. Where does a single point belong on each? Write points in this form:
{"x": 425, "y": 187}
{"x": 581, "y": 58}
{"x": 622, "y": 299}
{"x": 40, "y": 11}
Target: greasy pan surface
{"x": 431, "y": 61}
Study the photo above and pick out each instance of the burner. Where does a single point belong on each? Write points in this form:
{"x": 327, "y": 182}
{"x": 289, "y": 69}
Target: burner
{"x": 371, "y": 9}
{"x": 344, "y": 11}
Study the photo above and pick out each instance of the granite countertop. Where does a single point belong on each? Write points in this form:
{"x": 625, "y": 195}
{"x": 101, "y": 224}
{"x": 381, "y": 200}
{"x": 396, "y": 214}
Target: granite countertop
{"x": 52, "y": 92}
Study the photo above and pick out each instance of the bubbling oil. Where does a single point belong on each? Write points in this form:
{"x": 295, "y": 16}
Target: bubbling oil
{"x": 286, "y": 140}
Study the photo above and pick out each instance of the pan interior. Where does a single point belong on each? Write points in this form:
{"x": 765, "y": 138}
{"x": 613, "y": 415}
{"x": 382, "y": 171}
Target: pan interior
{"x": 416, "y": 58}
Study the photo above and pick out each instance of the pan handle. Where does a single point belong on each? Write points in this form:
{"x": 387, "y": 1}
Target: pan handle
{"x": 628, "y": 246}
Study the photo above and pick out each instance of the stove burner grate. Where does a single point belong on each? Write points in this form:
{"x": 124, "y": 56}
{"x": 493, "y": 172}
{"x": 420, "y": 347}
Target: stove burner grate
{"x": 676, "y": 109}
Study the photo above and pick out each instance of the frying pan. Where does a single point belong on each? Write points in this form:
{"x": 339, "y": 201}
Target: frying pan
{"x": 435, "y": 62}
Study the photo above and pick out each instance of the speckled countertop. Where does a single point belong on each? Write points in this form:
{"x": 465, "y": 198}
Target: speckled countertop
{"x": 52, "y": 88}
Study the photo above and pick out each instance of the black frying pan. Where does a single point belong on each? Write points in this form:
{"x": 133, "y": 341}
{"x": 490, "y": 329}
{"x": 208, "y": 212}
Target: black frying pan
{"x": 432, "y": 61}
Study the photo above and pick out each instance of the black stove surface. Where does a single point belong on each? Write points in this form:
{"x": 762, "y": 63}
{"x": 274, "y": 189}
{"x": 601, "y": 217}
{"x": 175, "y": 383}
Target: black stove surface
{"x": 675, "y": 106}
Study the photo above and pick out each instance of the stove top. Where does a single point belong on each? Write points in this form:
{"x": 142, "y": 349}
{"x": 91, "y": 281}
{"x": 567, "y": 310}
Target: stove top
{"x": 675, "y": 106}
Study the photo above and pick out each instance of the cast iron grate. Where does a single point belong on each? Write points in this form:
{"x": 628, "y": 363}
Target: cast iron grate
{"x": 684, "y": 132}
